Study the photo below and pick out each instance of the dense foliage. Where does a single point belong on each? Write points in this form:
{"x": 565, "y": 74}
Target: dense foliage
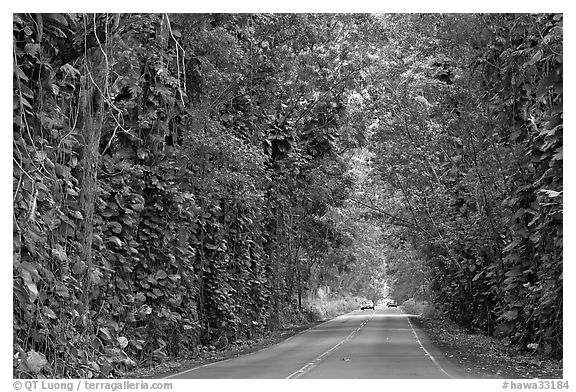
{"x": 172, "y": 176}
{"x": 468, "y": 144}
{"x": 184, "y": 180}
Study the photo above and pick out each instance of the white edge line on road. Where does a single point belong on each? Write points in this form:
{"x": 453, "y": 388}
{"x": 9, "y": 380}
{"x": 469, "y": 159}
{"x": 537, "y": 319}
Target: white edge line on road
{"x": 198, "y": 367}
{"x": 424, "y": 348}
{"x": 309, "y": 366}
{"x": 251, "y": 353}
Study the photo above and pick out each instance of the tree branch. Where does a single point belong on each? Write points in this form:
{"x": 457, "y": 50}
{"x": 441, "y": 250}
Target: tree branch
{"x": 399, "y": 221}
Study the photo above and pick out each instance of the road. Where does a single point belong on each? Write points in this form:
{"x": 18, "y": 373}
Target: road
{"x": 379, "y": 343}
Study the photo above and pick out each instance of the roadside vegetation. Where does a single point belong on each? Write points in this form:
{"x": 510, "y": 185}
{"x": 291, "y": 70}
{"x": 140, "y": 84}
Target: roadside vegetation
{"x": 481, "y": 355}
{"x": 293, "y": 321}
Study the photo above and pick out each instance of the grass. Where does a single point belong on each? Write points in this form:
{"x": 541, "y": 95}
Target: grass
{"x": 327, "y": 308}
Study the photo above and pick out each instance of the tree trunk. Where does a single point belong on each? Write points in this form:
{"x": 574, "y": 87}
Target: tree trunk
{"x": 299, "y": 292}
{"x": 93, "y": 116}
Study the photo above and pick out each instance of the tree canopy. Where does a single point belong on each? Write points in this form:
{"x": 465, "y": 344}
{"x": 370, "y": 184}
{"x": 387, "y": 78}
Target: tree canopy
{"x": 186, "y": 180}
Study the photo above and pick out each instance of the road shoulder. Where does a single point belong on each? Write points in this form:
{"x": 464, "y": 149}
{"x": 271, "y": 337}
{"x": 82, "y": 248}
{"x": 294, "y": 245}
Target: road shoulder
{"x": 481, "y": 356}
{"x": 442, "y": 360}
{"x": 173, "y": 366}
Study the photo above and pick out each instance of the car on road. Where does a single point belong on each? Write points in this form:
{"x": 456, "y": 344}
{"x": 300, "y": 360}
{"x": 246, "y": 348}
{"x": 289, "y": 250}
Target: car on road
{"x": 392, "y": 304}
{"x": 367, "y": 305}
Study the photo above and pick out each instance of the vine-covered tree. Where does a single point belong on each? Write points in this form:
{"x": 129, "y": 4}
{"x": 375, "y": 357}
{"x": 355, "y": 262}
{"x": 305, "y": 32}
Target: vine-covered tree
{"x": 167, "y": 169}
{"x": 190, "y": 180}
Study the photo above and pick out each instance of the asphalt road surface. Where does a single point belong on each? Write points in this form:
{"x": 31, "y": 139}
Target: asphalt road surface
{"x": 379, "y": 343}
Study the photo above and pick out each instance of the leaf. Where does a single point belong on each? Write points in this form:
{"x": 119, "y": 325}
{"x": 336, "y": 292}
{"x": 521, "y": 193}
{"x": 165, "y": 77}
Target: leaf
{"x": 104, "y": 334}
{"x": 62, "y": 291}
{"x": 30, "y": 268}
{"x": 514, "y": 272}
{"x": 559, "y": 155}
{"x": 128, "y": 221}
{"x": 159, "y": 355}
{"x": 72, "y": 192}
{"x": 46, "y": 311}
{"x": 549, "y": 80}
{"x": 115, "y": 227}
{"x": 76, "y": 214}
{"x": 32, "y": 49}
{"x": 97, "y": 239}
{"x": 29, "y": 284}
{"x": 79, "y": 267}
{"x": 138, "y": 207}
{"x": 116, "y": 241}
{"x": 55, "y": 89}
{"x": 67, "y": 68}
{"x": 550, "y": 193}
{"x": 59, "y": 253}
{"x": 58, "y": 18}
{"x": 152, "y": 279}
{"x": 137, "y": 343}
{"x": 19, "y": 73}
{"x": 26, "y": 91}
{"x": 537, "y": 56}
{"x": 35, "y": 361}
{"x": 108, "y": 212}
{"x": 95, "y": 276}
{"x": 510, "y": 315}
{"x": 140, "y": 297}
{"x": 62, "y": 170}
{"x": 512, "y": 245}
{"x": 122, "y": 341}
{"x": 145, "y": 309}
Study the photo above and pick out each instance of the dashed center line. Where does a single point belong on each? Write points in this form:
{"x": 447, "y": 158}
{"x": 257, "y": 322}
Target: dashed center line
{"x": 309, "y": 366}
